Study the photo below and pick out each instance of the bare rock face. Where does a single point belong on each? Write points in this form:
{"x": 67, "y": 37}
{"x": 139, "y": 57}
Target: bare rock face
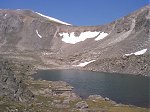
{"x": 11, "y": 23}
{"x": 10, "y": 85}
{"x": 30, "y": 36}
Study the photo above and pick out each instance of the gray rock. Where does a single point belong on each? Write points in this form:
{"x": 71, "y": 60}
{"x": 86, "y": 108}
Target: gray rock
{"x": 95, "y": 97}
{"x": 107, "y": 99}
{"x": 81, "y": 105}
{"x": 12, "y": 86}
{"x": 66, "y": 101}
{"x": 69, "y": 95}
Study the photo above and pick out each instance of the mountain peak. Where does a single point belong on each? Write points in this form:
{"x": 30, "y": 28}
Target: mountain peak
{"x": 60, "y": 43}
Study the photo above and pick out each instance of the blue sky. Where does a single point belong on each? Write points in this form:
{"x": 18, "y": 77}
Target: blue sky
{"x": 78, "y": 12}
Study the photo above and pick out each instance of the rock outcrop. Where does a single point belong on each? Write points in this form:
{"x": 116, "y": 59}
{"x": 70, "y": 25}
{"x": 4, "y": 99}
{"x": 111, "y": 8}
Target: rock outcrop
{"x": 12, "y": 84}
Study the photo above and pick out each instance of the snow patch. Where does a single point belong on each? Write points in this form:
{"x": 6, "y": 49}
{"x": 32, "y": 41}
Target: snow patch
{"x": 101, "y": 36}
{"x": 138, "y": 52}
{"x": 53, "y": 19}
{"x": 85, "y": 63}
{"x": 38, "y": 34}
{"x": 72, "y": 39}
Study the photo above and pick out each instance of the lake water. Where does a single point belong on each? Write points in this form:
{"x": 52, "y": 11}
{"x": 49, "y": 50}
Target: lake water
{"x": 126, "y": 89}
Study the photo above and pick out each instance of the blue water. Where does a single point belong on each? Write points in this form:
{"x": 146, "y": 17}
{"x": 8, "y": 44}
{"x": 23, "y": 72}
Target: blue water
{"x": 126, "y": 89}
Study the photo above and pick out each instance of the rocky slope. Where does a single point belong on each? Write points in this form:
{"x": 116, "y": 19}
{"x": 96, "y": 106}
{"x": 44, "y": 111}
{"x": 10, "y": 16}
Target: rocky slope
{"x": 123, "y": 65}
{"x": 46, "y": 43}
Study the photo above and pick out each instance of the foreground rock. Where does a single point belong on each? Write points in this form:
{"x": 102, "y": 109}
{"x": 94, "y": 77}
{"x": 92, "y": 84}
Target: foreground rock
{"x": 82, "y": 105}
{"x": 11, "y": 84}
{"x": 95, "y": 97}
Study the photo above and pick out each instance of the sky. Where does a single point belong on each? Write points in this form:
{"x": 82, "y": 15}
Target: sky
{"x": 79, "y": 12}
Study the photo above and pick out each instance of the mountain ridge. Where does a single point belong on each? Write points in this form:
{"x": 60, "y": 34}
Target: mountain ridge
{"x": 25, "y": 35}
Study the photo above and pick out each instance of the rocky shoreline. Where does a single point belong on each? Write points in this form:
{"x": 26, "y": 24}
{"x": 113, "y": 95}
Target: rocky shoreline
{"x": 20, "y": 93}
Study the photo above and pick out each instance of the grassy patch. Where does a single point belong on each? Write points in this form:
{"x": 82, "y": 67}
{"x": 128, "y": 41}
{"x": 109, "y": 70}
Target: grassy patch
{"x": 127, "y": 109}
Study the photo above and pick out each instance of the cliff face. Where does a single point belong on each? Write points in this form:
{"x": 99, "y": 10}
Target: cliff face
{"x": 45, "y": 42}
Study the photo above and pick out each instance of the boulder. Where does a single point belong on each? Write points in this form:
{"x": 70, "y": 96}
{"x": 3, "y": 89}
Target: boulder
{"x": 81, "y": 105}
{"x": 95, "y": 97}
